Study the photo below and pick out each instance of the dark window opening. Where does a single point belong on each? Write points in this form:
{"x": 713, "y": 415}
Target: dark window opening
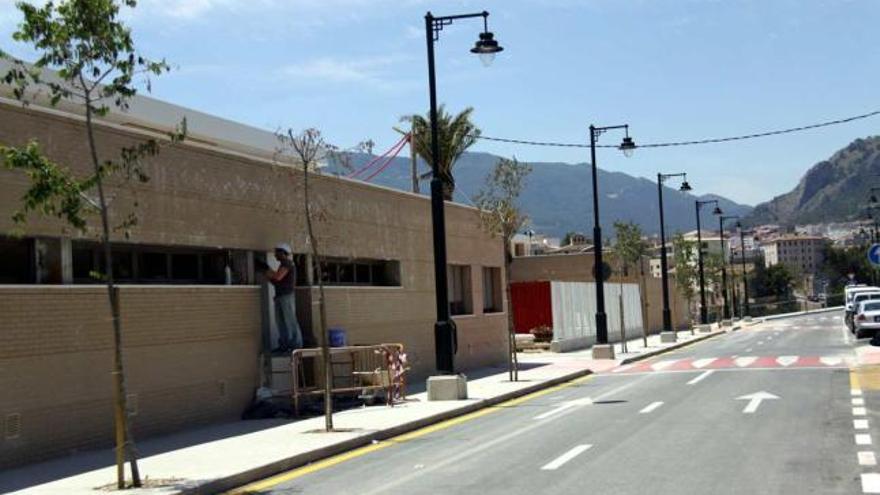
{"x": 17, "y": 261}
{"x": 185, "y": 267}
{"x": 359, "y": 272}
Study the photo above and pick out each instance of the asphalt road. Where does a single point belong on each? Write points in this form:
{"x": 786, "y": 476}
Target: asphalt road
{"x": 686, "y": 422}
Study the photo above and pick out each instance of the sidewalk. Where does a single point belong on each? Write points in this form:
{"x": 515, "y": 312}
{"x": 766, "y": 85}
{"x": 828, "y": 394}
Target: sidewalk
{"x": 219, "y": 457}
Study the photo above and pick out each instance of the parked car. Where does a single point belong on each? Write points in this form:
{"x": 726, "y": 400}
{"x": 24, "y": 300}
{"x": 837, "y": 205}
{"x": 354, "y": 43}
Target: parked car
{"x": 867, "y": 318}
{"x": 858, "y": 299}
{"x": 849, "y": 293}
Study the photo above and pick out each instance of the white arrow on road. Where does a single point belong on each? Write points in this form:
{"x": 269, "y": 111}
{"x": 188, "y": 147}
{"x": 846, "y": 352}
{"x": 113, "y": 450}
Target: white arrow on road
{"x": 755, "y": 400}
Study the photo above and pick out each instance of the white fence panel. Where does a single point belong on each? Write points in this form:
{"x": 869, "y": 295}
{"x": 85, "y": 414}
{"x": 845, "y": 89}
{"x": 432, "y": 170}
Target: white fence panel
{"x": 574, "y": 313}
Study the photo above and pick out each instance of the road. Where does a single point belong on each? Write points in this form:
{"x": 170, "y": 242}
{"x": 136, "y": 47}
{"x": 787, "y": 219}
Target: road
{"x": 767, "y": 409}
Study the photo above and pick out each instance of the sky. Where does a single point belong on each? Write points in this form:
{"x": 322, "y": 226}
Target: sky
{"x": 672, "y": 69}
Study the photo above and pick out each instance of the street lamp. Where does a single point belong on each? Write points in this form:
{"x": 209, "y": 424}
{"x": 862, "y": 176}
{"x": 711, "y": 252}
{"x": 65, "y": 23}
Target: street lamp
{"x": 742, "y": 258}
{"x": 530, "y": 233}
{"x": 667, "y": 314}
{"x": 627, "y": 146}
{"x": 486, "y": 47}
{"x": 704, "y": 313}
{"x": 721, "y": 220}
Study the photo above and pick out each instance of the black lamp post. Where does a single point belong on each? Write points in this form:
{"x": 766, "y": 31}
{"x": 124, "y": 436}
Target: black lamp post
{"x": 721, "y": 220}
{"x": 628, "y": 147}
{"x": 685, "y": 187}
{"x": 486, "y": 47}
{"x": 742, "y": 258}
{"x": 704, "y": 313}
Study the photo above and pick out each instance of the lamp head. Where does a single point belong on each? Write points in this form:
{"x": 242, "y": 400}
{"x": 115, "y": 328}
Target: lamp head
{"x": 873, "y": 198}
{"x": 486, "y": 47}
{"x": 717, "y": 210}
{"x": 628, "y": 147}
{"x": 685, "y": 187}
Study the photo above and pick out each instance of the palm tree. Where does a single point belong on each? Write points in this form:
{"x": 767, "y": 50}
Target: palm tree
{"x": 455, "y": 135}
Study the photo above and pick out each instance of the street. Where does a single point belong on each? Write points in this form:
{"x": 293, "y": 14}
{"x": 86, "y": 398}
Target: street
{"x": 766, "y": 409}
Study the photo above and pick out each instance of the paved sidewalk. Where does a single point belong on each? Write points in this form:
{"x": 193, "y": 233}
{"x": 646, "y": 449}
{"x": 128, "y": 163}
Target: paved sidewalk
{"x": 218, "y": 457}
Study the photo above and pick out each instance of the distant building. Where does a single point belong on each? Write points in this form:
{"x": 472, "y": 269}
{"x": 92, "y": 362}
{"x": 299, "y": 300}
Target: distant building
{"x": 802, "y": 254}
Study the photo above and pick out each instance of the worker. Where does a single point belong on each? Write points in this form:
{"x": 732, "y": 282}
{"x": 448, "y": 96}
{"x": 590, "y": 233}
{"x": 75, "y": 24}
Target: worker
{"x": 289, "y": 332}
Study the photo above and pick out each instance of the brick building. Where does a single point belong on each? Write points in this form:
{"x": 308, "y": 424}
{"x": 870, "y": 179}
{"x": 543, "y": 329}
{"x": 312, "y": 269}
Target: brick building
{"x": 195, "y": 316}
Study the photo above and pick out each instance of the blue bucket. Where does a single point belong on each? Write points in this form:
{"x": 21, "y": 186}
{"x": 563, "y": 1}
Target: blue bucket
{"x": 337, "y": 337}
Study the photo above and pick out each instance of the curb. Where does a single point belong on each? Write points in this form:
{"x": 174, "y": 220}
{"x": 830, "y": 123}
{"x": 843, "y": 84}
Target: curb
{"x": 801, "y": 313}
{"x": 675, "y": 346}
{"x": 239, "y": 479}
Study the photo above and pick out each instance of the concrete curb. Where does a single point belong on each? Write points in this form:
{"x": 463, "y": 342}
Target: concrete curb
{"x": 674, "y": 347}
{"x": 801, "y": 313}
{"x": 236, "y": 480}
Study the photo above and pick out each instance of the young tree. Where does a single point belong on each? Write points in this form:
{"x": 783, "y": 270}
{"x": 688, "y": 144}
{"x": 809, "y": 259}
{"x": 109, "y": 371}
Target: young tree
{"x": 502, "y": 217}
{"x": 86, "y": 56}
{"x": 310, "y": 150}
{"x": 455, "y": 135}
{"x": 712, "y": 271}
{"x": 630, "y": 249}
{"x": 684, "y": 253}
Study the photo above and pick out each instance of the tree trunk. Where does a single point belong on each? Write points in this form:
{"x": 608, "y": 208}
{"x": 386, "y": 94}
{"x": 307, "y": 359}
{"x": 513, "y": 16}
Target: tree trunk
{"x": 125, "y": 447}
{"x": 642, "y": 298}
{"x": 512, "y": 360}
{"x": 323, "y": 341}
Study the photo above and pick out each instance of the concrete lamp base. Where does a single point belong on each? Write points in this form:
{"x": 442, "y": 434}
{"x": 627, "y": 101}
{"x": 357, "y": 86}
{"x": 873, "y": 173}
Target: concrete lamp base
{"x": 667, "y": 337}
{"x": 603, "y": 351}
{"x": 447, "y": 387}
{"x": 726, "y": 323}
{"x": 704, "y": 328}
{"x": 747, "y": 319}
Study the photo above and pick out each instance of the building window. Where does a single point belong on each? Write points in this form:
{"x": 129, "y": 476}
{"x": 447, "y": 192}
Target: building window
{"x": 137, "y": 264}
{"x": 459, "y": 279}
{"x": 492, "y": 300}
{"x": 17, "y": 262}
{"x": 357, "y": 272}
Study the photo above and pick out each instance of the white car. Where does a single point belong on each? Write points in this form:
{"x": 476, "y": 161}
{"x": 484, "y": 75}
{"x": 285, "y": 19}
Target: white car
{"x": 859, "y": 298}
{"x": 850, "y": 293}
{"x": 867, "y": 318}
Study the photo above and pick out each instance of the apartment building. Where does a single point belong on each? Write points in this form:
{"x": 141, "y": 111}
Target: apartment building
{"x": 802, "y": 254}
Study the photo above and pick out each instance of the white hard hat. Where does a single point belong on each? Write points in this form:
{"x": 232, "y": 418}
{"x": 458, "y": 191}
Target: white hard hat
{"x": 283, "y": 246}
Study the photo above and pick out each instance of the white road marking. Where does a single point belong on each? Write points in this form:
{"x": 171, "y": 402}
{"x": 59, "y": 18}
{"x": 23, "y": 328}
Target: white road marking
{"x": 855, "y": 391}
{"x": 571, "y": 454}
{"x": 867, "y": 458}
{"x": 563, "y": 407}
{"x": 830, "y": 360}
{"x": 786, "y": 360}
{"x": 651, "y": 407}
{"x": 860, "y": 424}
{"x": 858, "y": 401}
{"x": 755, "y": 400}
{"x": 702, "y": 363}
{"x": 745, "y": 361}
{"x": 662, "y": 365}
{"x": 749, "y": 349}
{"x": 760, "y": 342}
{"x": 859, "y": 411}
{"x": 863, "y": 439}
{"x": 700, "y": 377}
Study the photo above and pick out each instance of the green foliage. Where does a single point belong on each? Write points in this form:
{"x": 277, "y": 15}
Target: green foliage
{"x": 455, "y": 134}
{"x": 684, "y": 254}
{"x": 94, "y": 61}
{"x": 53, "y": 191}
{"x": 497, "y": 201}
{"x": 840, "y": 262}
{"x": 775, "y": 281}
{"x": 629, "y": 246}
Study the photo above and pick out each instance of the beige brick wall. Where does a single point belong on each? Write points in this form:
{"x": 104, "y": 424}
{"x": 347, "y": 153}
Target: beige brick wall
{"x": 183, "y": 353}
{"x": 180, "y": 341}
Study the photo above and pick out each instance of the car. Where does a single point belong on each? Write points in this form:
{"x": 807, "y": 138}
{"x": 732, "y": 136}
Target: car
{"x": 867, "y": 318}
{"x": 859, "y": 298}
{"x": 850, "y": 292}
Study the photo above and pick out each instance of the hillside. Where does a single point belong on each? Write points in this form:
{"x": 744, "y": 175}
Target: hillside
{"x": 558, "y": 196}
{"x": 836, "y": 189}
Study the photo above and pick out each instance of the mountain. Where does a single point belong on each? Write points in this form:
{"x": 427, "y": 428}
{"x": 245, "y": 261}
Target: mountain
{"x": 558, "y": 196}
{"x": 836, "y": 189}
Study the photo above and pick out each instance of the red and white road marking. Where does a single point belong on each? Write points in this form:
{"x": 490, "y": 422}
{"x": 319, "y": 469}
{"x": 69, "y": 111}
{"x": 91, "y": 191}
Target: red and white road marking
{"x": 762, "y": 362}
